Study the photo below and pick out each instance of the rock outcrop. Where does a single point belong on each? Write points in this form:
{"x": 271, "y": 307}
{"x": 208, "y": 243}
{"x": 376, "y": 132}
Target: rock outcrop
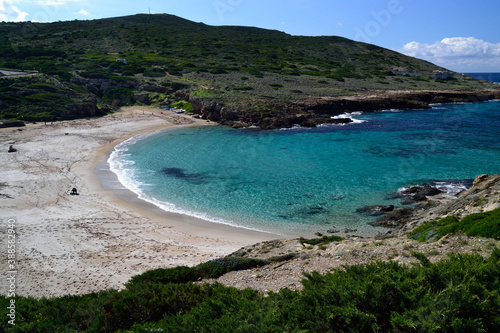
{"x": 483, "y": 196}
{"x": 87, "y": 108}
{"x": 297, "y": 257}
{"x": 429, "y": 203}
{"x": 267, "y": 114}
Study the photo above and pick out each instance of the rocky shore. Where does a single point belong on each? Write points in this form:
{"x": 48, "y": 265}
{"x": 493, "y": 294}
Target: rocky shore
{"x": 267, "y": 114}
{"x": 299, "y": 257}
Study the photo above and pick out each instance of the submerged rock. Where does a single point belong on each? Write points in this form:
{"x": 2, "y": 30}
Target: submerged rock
{"x": 375, "y": 210}
{"x": 193, "y": 178}
{"x": 395, "y": 218}
{"x": 421, "y": 192}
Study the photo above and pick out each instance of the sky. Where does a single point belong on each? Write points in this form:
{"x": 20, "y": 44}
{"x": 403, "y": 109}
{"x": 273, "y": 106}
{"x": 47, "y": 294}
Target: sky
{"x": 461, "y": 35}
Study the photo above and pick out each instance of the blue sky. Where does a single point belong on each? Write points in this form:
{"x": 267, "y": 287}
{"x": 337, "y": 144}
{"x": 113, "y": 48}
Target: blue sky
{"x": 457, "y": 34}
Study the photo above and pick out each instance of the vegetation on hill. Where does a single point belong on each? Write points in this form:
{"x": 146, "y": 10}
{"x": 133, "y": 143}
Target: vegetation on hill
{"x": 485, "y": 224}
{"x": 459, "y": 294}
{"x": 227, "y": 64}
{"x": 44, "y": 98}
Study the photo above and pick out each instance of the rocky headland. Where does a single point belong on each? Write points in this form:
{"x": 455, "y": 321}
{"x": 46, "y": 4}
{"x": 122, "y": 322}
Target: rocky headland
{"x": 293, "y": 257}
{"x": 310, "y": 112}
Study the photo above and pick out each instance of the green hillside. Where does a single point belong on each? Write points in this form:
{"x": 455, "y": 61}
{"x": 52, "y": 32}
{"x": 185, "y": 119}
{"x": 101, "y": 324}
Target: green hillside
{"x": 166, "y": 53}
{"x": 176, "y": 45}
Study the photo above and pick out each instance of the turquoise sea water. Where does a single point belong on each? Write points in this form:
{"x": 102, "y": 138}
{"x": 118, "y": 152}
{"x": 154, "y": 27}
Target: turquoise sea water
{"x": 301, "y": 181}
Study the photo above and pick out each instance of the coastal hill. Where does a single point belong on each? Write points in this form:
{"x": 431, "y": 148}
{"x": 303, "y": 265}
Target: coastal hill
{"x": 90, "y": 263}
{"x": 234, "y": 75}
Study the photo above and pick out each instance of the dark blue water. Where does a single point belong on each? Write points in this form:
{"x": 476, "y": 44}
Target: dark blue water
{"x": 493, "y": 77}
{"x": 301, "y": 181}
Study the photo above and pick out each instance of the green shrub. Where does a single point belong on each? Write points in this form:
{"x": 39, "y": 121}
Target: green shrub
{"x": 218, "y": 267}
{"x": 292, "y": 73}
{"x": 128, "y": 73}
{"x": 152, "y": 73}
{"x": 14, "y": 123}
{"x": 429, "y": 230}
{"x": 448, "y": 296}
{"x": 96, "y": 74}
{"x": 176, "y": 85}
{"x": 320, "y": 241}
{"x": 119, "y": 96}
{"x": 150, "y": 302}
{"x": 207, "y": 270}
{"x": 255, "y": 72}
{"x": 242, "y": 88}
{"x": 217, "y": 71}
{"x": 43, "y": 86}
{"x": 179, "y": 274}
{"x": 481, "y": 225}
{"x": 458, "y": 294}
{"x": 336, "y": 76}
{"x": 420, "y": 79}
{"x": 224, "y": 310}
{"x": 183, "y": 105}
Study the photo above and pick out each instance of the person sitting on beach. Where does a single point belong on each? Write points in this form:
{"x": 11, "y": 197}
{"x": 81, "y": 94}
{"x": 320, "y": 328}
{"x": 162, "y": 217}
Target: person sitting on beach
{"x": 12, "y": 149}
{"x": 74, "y": 191}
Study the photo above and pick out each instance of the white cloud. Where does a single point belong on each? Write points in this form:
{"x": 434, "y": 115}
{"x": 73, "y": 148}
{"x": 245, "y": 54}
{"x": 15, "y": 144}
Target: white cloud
{"x": 9, "y": 12}
{"x": 83, "y": 12}
{"x": 458, "y": 53}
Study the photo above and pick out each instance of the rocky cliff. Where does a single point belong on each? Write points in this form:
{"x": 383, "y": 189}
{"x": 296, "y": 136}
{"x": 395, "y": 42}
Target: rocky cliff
{"x": 483, "y": 196}
{"x": 267, "y": 114}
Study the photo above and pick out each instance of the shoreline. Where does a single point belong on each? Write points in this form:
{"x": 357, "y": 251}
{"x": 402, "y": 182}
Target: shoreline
{"x": 79, "y": 244}
{"x": 110, "y": 182}
{"x": 312, "y": 111}
{"x": 71, "y": 245}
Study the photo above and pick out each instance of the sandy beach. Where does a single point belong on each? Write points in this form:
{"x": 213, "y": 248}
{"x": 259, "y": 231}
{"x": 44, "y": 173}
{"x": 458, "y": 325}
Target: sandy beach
{"x": 77, "y": 244}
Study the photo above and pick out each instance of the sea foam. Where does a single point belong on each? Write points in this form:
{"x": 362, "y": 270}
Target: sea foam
{"x": 123, "y": 168}
{"x": 351, "y": 115}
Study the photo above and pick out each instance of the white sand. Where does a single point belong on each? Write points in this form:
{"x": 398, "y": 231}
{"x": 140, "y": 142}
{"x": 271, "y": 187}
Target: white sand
{"x": 79, "y": 244}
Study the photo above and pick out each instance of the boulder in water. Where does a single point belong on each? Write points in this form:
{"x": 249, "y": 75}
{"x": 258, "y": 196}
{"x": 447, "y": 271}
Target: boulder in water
{"x": 375, "y": 210}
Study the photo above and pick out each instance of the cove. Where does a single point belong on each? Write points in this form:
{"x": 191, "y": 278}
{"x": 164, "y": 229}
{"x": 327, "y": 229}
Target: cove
{"x": 301, "y": 181}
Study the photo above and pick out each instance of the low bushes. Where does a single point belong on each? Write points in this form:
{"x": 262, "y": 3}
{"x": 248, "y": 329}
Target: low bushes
{"x": 183, "y": 105}
{"x": 242, "y": 88}
{"x": 459, "y": 294}
{"x": 481, "y": 225}
{"x": 119, "y": 96}
{"x": 208, "y": 270}
{"x": 13, "y": 123}
{"x": 320, "y": 241}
